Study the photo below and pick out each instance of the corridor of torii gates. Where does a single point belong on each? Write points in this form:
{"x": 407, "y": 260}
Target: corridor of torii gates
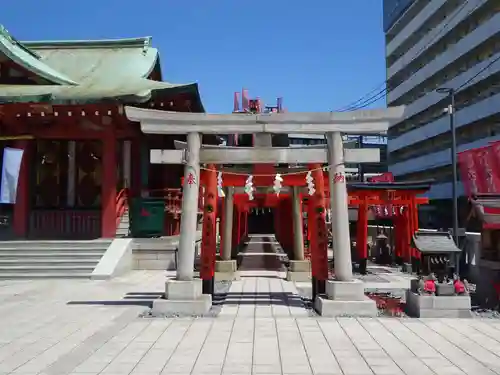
{"x": 254, "y": 182}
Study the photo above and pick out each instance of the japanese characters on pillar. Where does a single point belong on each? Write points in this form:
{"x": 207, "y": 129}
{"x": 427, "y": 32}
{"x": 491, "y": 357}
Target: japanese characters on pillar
{"x": 209, "y": 240}
{"x": 191, "y": 179}
{"x": 406, "y": 235}
{"x": 414, "y": 213}
{"x": 339, "y": 178}
{"x": 317, "y": 224}
{"x": 362, "y": 232}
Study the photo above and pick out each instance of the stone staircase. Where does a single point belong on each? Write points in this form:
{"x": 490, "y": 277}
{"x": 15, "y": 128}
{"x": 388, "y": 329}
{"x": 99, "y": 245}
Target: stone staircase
{"x": 50, "y": 259}
{"x": 123, "y": 228}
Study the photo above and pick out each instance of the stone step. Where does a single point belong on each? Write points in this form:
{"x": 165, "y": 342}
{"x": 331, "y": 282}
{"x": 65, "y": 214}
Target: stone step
{"x": 50, "y": 255}
{"x": 55, "y": 269}
{"x": 43, "y": 250}
{"x": 43, "y": 275}
{"x": 47, "y": 259}
{"x": 64, "y": 243}
{"x": 33, "y": 262}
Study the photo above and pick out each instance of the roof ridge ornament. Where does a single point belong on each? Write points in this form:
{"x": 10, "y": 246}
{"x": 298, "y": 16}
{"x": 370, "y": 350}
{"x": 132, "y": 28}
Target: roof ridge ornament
{"x": 5, "y": 33}
{"x": 146, "y": 45}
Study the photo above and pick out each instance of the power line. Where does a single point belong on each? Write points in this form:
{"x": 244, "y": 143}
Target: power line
{"x": 362, "y": 103}
{"x": 374, "y": 98}
{"x": 477, "y": 74}
{"x": 378, "y": 89}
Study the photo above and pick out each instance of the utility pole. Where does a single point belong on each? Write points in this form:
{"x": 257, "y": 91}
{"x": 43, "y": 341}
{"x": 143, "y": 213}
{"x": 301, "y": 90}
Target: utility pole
{"x": 451, "y": 115}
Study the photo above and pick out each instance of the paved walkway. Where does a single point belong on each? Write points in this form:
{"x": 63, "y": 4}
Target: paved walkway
{"x": 92, "y": 327}
{"x": 261, "y": 252}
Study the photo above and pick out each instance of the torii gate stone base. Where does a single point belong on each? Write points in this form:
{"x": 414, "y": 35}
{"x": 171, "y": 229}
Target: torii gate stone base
{"x": 343, "y": 295}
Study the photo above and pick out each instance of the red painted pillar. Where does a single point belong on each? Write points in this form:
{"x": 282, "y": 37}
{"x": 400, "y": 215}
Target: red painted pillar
{"x": 238, "y": 226}
{"x": 362, "y": 235}
{"x": 135, "y": 184}
{"x": 246, "y": 222}
{"x": 235, "y": 234}
{"x": 411, "y": 222}
{"x": 396, "y": 222}
{"x": 319, "y": 234}
{"x": 222, "y": 219}
{"x": 289, "y": 225}
{"x": 283, "y": 220}
{"x": 241, "y": 217}
{"x": 277, "y": 222}
{"x": 416, "y": 253}
{"x": 108, "y": 186}
{"x": 406, "y": 235}
{"x": 22, "y": 205}
{"x": 209, "y": 235}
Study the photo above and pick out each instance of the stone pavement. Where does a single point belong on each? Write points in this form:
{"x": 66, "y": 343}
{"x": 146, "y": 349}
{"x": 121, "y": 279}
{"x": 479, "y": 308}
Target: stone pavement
{"x": 58, "y": 327}
{"x": 261, "y": 252}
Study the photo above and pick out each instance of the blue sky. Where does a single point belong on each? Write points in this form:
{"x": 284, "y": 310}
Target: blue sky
{"x": 319, "y": 54}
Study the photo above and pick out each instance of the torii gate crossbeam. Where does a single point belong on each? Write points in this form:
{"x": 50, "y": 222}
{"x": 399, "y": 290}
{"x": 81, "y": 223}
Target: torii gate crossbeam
{"x": 333, "y": 124}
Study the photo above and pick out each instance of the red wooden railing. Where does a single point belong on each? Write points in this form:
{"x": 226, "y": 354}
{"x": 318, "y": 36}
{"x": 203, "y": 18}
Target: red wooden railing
{"x": 173, "y": 207}
{"x": 65, "y": 223}
{"x": 121, "y": 204}
{"x": 173, "y": 199}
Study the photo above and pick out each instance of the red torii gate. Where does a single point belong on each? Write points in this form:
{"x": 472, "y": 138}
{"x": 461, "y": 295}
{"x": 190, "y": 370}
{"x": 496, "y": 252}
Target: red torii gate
{"x": 401, "y": 201}
{"x": 400, "y": 195}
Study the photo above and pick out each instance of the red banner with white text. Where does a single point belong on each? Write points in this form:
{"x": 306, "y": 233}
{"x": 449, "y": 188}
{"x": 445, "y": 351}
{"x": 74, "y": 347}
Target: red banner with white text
{"x": 480, "y": 174}
{"x": 488, "y": 168}
{"x": 467, "y": 162}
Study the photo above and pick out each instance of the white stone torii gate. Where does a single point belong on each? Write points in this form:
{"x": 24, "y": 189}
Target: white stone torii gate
{"x": 332, "y": 124}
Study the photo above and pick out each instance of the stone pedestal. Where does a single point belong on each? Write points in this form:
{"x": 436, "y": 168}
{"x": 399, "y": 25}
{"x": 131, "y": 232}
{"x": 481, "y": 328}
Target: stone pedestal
{"x": 182, "y": 297}
{"x": 424, "y": 306}
{"x": 299, "y": 270}
{"x": 226, "y": 270}
{"x": 407, "y": 268}
{"x": 345, "y": 298}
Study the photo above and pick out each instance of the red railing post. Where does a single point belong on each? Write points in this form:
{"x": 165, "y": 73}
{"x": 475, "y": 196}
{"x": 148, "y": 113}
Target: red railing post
{"x": 208, "y": 237}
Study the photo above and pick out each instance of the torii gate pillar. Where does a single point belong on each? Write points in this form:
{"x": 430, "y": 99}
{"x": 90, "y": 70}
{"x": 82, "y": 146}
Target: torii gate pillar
{"x": 184, "y": 294}
{"x": 344, "y": 295}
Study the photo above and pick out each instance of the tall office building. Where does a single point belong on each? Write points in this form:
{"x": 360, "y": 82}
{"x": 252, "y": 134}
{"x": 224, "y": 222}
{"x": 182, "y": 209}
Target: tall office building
{"x": 434, "y": 44}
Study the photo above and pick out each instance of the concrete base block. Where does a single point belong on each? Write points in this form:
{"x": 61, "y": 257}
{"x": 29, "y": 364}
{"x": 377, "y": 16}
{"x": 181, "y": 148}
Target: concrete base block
{"x": 437, "y": 306}
{"x": 227, "y": 276}
{"x": 179, "y": 290}
{"x": 182, "y": 297}
{"x": 345, "y": 298}
{"x": 445, "y": 289}
{"x": 299, "y": 270}
{"x": 345, "y": 290}
{"x": 225, "y": 266}
{"x": 298, "y": 276}
{"x": 407, "y": 268}
{"x": 198, "y": 306}
{"x": 300, "y": 266}
{"x": 332, "y": 308}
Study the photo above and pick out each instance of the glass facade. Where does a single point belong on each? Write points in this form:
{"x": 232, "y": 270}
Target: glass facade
{"x": 392, "y": 10}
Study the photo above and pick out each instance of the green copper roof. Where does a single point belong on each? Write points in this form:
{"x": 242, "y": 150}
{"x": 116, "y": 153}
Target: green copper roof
{"x": 22, "y": 56}
{"x": 99, "y": 62}
{"x": 94, "y": 71}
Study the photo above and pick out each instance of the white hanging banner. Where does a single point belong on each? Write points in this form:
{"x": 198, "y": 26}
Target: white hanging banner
{"x": 12, "y": 158}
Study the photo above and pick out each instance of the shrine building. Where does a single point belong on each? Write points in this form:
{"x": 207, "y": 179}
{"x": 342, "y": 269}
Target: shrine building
{"x": 62, "y": 103}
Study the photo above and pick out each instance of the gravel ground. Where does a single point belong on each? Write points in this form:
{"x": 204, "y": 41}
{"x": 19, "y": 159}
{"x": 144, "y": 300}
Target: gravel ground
{"x": 221, "y": 288}
{"x": 485, "y": 314}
